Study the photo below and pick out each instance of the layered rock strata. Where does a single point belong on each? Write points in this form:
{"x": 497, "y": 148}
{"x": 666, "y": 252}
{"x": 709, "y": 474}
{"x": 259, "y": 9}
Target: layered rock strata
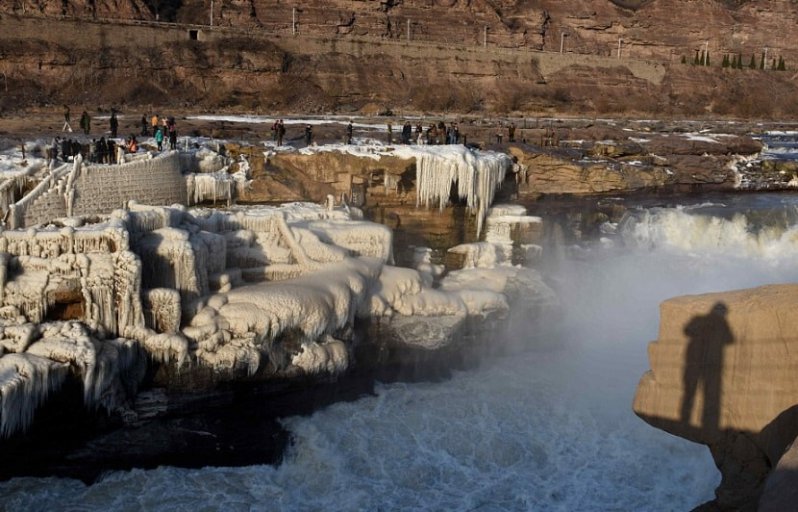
{"x": 414, "y": 56}
{"x": 723, "y": 374}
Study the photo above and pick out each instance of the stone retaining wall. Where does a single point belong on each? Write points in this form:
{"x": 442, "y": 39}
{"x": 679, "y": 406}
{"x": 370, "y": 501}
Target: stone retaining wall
{"x": 103, "y": 188}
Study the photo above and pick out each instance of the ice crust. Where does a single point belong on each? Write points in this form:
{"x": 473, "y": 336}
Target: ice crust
{"x": 241, "y": 290}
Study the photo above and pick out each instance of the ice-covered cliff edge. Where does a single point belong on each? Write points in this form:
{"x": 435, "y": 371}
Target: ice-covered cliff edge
{"x": 261, "y": 292}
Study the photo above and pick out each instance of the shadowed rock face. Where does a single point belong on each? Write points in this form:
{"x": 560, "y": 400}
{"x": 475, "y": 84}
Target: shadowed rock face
{"x": 723, "y": 373}
{"x": 781, "y": 488}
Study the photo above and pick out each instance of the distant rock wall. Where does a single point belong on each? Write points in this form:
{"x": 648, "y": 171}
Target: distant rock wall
{"x": 102, "y": 63}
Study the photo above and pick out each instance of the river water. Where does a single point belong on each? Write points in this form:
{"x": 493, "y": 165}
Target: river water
{"x": 546, "y": 428}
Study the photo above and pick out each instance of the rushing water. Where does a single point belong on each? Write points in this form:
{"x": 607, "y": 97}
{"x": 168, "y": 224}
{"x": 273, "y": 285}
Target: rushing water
{"x": 548, "y": 428}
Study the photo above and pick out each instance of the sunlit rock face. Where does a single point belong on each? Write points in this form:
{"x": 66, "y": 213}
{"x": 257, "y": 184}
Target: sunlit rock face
{"x": 724, "y": 373}
{"x": 670, "y": 161}
{"x": 618, "y": 57}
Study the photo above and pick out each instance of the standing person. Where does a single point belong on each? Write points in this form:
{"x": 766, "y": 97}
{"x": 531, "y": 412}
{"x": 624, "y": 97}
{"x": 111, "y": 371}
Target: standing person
{"x": 172, "y": 133}
{"x": 66, "y": 149}
{"x": 308, "y": 134}
{"x": 511, "y": 132}
{"x": 144, "y": 126}
{"x": 111, "y": 151}
{"x": 76, "y": 150}
{"x": 85, "y": 122}
{"x": 67, "y": 127}
{"x": 349, "y": 131}
{"x": 114, "y": 124}
{"x": 102, "y": 151}
{"x": 280, "y": 132}
{"x": 159, "y": 137}
{"x": 419, "y": 131}
{"x": 407, "y": 132}
{"x": 154, "y": 123}
{"x": 275, "y": 127}
{"x": 441, "y": 133}
{"x": 390, "y": 133}
{"x": 52, "y": 153}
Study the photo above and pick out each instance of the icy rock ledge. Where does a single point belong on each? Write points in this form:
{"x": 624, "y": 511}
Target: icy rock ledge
{"x": 210, "y": 296}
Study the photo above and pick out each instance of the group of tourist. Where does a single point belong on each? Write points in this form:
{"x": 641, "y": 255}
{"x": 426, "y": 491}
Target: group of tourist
{"x": 278, "y": 133}
{"x": 105, "y": 150}
{"x": 434, "y": 134}
{"x": 101, "y": 151}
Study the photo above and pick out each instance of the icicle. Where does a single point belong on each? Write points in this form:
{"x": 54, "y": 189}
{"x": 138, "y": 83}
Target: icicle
{"x": 162, "y": 309}
{"x": 25, "y": 382}
{"x": 71, "y": 345}
{"x": 477, "y": 175}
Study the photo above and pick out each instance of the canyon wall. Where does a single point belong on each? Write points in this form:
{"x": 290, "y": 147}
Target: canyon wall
{"x": 351, "y": 56}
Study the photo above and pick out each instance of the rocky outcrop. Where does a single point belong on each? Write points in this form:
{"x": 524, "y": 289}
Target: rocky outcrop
{"x": 723, "y": 373}
{"x": 557, "y": 172}
{"x": 660, "y": 161}
{"x": 312, "y": 176}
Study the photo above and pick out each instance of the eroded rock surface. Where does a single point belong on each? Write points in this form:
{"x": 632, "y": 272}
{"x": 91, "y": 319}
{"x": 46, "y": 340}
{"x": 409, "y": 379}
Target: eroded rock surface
{"x": 724, "y": 374}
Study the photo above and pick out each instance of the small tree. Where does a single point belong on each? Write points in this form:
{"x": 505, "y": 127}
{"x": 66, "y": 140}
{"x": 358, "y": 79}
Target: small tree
{"x": 762, "y": 61}
{"x": 695, "y": 61}
{"x": 725, "y": 63}
{"x": 740, "y": 61}
{"x": 701, "y": 61}
{"x": 684, "y": 59}
{"x": 707, "y": 63}
{"x": 773, "y": 63}
{"x": 781, "y": 66}
{"x": 752, "y": 64}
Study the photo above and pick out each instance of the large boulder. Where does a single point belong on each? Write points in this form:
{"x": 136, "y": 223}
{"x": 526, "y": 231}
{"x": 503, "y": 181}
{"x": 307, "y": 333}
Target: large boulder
{"x": 563, "y": 172}
{"x": 724, "y": 372}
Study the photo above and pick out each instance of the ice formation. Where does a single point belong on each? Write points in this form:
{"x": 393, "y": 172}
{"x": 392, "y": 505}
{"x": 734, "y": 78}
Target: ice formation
{"x": 244, "y": 291}
{"x": 509, "y": 236}
{"x": 25, "y": 382}
{"x": 476, "y": 174}
{"x": 210, "y": 177}
{"x": 237, "y": 290}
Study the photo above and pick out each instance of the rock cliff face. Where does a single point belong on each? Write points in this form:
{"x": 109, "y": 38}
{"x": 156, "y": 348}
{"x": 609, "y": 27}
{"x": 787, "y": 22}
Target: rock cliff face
{"x": 676, "y": 162}
{"x": 723, "y": 373}
{"x": 418, "y": 55}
